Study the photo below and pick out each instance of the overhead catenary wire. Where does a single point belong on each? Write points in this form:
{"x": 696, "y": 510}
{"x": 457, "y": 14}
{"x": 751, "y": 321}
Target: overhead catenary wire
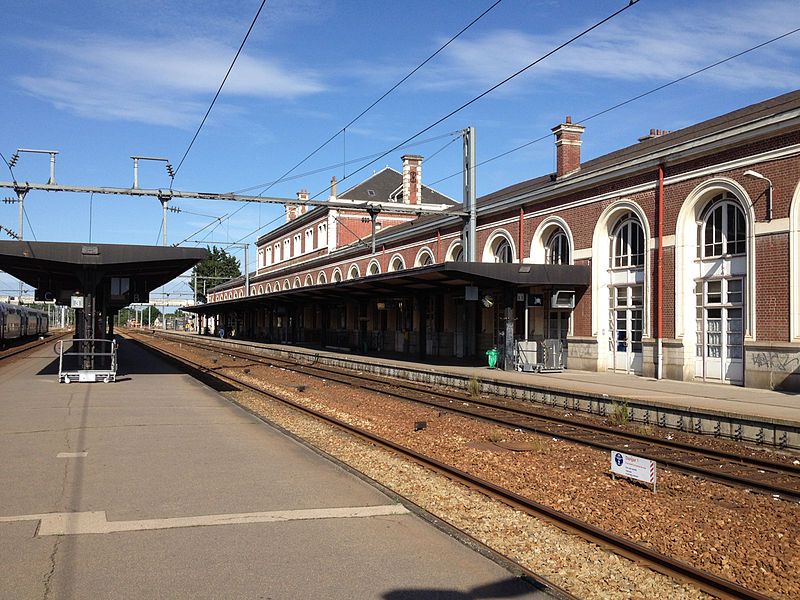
{"x": 494, "y": 87}
{"x": 221, "y": 85}
{"x": 269, "y": 185}
{"x": 628, "y": 101}
{"x": 389, "y": 91}
{"x": 8, "y": 164}
{"x": 33, "y": 233}
{"x": 453, "y": 134}
{"x": 481, "y": 95}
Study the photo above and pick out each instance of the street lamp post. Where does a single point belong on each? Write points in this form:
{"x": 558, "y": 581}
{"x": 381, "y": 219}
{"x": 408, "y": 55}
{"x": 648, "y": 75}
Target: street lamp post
{"x": 757, "y": 175}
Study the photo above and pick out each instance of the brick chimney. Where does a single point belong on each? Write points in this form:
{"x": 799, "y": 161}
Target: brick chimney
{"x": 333, "y": 188}
{"x": 654, "y": 133}
{"x": 568, "y": 147}
{"x": 295, "y": 210}
{"x": 412, "y": 179}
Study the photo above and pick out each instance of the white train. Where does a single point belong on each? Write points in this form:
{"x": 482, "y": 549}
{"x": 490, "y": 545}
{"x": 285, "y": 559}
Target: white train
{"x": 20, "y": 321}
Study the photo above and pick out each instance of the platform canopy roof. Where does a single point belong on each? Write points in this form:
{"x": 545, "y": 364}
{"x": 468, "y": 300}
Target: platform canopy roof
{"x": 449, "y": 276}
{"x": 60, "y": 269}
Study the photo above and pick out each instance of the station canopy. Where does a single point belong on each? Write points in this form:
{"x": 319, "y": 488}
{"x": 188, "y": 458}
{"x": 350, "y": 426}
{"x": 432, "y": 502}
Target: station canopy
{"x": 442, "y": 277}
{"x": 59, "y": 270}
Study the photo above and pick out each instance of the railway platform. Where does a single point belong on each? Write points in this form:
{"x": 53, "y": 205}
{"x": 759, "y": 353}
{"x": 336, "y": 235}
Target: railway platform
{"x": 755, "y": 415}
{"x": 156, "y": 486}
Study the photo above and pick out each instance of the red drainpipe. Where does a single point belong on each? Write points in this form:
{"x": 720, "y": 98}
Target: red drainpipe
{"x": 660, "y": 275}
{"x": 521, "y": 250}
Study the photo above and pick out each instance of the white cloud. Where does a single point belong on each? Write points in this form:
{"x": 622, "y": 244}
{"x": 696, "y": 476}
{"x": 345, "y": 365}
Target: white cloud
{"x": 160, "y": 82}
{"x": 637, "y": 48}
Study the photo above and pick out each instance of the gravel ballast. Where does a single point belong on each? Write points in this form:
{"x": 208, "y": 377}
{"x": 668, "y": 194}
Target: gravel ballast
{"x": 741, "y": 536}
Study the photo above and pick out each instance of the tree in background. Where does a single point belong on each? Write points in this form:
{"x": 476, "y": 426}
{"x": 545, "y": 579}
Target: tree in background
{"x": 135, "y": 314}
{"x": 218, "y": 268}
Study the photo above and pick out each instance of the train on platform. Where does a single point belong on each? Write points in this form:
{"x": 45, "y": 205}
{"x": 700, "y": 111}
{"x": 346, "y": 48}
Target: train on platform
{"x": 20, "y": 322}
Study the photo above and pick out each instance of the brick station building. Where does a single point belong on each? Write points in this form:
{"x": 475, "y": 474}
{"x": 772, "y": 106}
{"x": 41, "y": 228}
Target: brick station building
{"x": 674, "y": 257}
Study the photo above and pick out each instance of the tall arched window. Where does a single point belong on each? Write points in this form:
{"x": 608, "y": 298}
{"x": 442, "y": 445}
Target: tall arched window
{"x": 556, "y": 251}
{"x": 719, "y": 293}
{"x": 626, "y": 293}
{"x": 374, "y": 268}
{"x": 503, "y": 252}
{"x": 337, "y": 276}
{"x": 628, "y": 249}
{"x": 724, "y": 229}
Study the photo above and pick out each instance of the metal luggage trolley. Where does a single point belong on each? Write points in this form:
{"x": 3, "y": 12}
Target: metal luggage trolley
{"x": 536, "y": 357}
{"x": 92, "y": 365}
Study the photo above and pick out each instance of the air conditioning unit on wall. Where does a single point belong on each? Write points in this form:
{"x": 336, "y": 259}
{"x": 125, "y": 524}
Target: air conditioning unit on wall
{"x": 563, "y": 299}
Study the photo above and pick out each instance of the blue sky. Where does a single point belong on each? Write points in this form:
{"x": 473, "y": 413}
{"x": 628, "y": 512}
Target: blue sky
{"x": 100, "y": 81}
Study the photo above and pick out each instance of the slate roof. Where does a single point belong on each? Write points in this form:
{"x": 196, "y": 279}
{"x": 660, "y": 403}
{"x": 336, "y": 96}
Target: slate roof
{"x": 387, "y": 183}
{"x": 751, "y": 113}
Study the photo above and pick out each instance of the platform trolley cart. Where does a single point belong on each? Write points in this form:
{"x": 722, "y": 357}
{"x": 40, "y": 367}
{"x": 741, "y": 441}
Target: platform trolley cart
{"x": 95, "y": 360}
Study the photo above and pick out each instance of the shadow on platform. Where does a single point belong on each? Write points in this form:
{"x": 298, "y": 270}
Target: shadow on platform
{"x": 506, "y": 588}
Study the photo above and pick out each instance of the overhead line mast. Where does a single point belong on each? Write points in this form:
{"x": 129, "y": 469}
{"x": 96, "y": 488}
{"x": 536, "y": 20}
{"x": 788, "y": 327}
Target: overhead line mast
{"x": 170, "y": 194}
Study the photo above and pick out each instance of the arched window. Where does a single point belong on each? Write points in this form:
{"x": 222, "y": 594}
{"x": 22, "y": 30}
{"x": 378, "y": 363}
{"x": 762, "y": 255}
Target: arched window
{"x": 322, "y": 278}
{"x": 503, "y": 252}
{"x": 286, "y": 284}
{"x": 556, "y": 251}
{"x": 296, "y": 283}
{"x": 724, "y": 228}
{"x": 309, "y": 280}
{"x": 397, "y": 264}
{"x": 353, "y": 273}
{"x": 456, "y": 253}
{"x": 269, "y": 289}
{"x": 374, "y": 268}
{"x": 337, "y": 276}
{"x": 424, "y": 258}
{"x": 627, "y": 243}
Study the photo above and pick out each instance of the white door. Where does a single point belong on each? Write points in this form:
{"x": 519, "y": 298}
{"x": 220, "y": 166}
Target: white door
{"x": 720, "y": 330}
{"x": 625, "y": 323}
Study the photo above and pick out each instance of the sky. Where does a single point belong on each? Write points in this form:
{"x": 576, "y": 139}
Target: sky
{"x": 100, "y": 81}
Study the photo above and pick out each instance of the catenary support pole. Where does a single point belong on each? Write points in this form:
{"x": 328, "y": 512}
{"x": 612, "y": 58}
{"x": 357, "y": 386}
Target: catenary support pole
{"x": 469, "y": 234}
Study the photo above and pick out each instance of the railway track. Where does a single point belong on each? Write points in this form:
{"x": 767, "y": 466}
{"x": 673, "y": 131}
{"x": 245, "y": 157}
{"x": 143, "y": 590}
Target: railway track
{"x": 667, "y": 565}
{"x": 752, "y": 473}
{"x": 23, "y": 348}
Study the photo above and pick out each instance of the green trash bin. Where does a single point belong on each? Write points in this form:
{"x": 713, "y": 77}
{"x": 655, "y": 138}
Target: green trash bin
{"x": 492, "y": 356}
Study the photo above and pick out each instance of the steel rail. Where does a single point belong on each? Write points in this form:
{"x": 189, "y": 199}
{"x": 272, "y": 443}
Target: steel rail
{"x": 614, "y": 439}
{"x": 662, "y": 563}
{"x": 17, "y": 350}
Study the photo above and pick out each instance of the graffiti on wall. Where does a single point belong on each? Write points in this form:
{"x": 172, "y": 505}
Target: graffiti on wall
{"x": 775, "y": 361}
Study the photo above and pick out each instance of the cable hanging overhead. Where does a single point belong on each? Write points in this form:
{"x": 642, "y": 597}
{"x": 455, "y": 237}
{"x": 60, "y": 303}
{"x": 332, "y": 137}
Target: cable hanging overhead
{"x": 221, "y": 85}
{"x": 629, "y": 100}
{"x": 493, "y": 88}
